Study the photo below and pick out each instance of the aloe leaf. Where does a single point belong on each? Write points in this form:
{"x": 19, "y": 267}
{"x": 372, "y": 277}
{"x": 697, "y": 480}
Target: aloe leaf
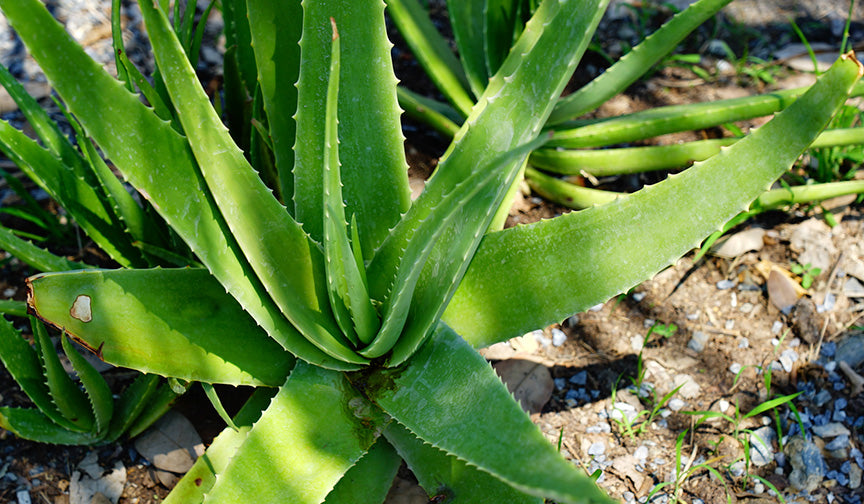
{"x": 414, "y": 250}
{"x": 286, "y": 261}
{"x": 98, "y": 393}
{"x": 806, "y": 193}
{"x": 450, "y": 397}
{"x": 70, "y": 400}
{"x": 434, "y": 54}
{"x": 157, "y": 405}
{"x": 34, "y": 425}
{"x": 182, "y": 315}
{"x": 635, "y": 63}
{"x": 588, "y": 255}
{"x": 427, "y": 111}
{"x": 75, "y": 194}
{"x": 441, "y": 474}
{"x": 290, "y": 455}
{"x": 369, "y": 480}
{"x": 346, "y": 284}
{"x": 213, "y": 397}
{"x": 36, "y": 257}
{"x": 674, "y": 118}
{"x": 117, "y": 44}
{"x": 567, "y": 194}
{"x": 602, "y": 162}
{"x": 468, "y": 32}
{"x": 374, "y": 170}
{"x": 134, "y": 399}
{"x": 499, "y": 26}
{"x": 22, "y": 362}
{"x": 141, "y": 144}
{"x": 276, "y": 28}
{"x": 12, "y": 307}
{"x": 200, "y": 477}
{"x": 509, "y": 114}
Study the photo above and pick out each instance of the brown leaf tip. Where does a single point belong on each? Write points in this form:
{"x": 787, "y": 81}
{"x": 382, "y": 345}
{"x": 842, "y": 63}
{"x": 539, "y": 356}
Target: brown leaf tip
{"x": 335, "y": 31}
{"x": 851, "y": 56}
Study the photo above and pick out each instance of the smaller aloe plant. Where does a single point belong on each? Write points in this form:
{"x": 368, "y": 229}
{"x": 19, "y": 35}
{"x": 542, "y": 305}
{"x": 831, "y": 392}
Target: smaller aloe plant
{"x": 65, "y": 413}
{"x": 484, "y": 31}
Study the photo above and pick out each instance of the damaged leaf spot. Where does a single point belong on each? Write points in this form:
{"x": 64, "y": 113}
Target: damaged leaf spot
{"x": 81, "y": 309}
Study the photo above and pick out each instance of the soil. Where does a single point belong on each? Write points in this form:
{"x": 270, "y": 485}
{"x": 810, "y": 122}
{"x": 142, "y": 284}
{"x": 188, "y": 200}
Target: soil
{"x": 742, "y": 325}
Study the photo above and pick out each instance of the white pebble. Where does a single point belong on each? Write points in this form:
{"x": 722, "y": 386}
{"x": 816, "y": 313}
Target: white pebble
{"x": 596, "y": 308}
{"x": 776, "y": 327}
{"x": 735, "y": 368}
{"x": 723, "y": 405}
{"x": 23, "y": 497}
{"x": 598, "y": 448}
{"x": 641, "y": 453}
{"x": 746, "y": 308}
{"x": 730, "y": 324}
{"x": 558, "y": 337}
{"x": 638, "y": 296}
{"x": 734, "y": 300}
{"x": 676, "y": 404}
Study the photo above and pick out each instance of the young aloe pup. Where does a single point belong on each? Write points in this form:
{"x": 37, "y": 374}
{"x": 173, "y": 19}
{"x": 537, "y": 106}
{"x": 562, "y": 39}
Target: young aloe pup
{"x": 355, "y": 312}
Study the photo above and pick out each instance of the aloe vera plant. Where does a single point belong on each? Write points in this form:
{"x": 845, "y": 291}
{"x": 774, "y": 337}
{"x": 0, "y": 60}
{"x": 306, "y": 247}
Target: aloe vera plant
{"x": 354, "y": 311}
{"x": 483, "y": 30}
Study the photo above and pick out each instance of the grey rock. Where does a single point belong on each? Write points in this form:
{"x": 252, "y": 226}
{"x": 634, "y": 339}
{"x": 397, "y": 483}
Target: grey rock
{"x": 698, "y": 341}
{"x": 762, "y": 446}
{"x": 689, "y": 388}
{"x": 726, "y": 284}
{"x": 808, "y": 467}
{"x": 853, "y": 288}
{"x": 830, "y": 430}
{"x": 641, "y": 453}
{"x": 851, "y": 350}
{"x": 838, "y": 443}
{"x": 854, "y": 476}
{"x": 676, "y": 404}
{"x": 596, "y": 449}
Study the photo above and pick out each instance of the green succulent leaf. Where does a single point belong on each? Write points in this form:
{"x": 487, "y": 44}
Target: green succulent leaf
{"x": 200, "y": 477}
{"x": 374, "y": 170}
{"x": 290, "y": 455}
{"x": 450, "y": 397}
{"x": 434, "y": 54}
{"x": 469, "y": 35}
{"x": 98, "y": 393}
{"x": 36, "y": 257}
{"x": 369, "y": 480}
{"x": 276, "y": 28}
{"x": 346, "y": 282}
{"x": 635, "y": 63}
{"x": 34, "y": 425}
{"x": 441, "y": 474}
{"x": 70, "y": 400}
{"x": 22, "y": 362}
{"x": 183, "y": 315}
{"x": 131, "y": 403}
{"x": 594, "y": 248}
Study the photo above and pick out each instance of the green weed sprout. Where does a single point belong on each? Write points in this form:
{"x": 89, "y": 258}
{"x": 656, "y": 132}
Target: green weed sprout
{"x": 283, "y": 251}
{"x": 807, "y": 272}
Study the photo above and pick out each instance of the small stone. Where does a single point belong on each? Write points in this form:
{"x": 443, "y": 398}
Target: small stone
{"x": 855, "y": 476}
{"x": 830, "y": 430}
{"x": 761, "y": 446}
{"x": 560, "y": 383}
{"x": 838, "y": 443}
{"x": 693, "y": 316}
{"x": 782, "y": 291}
{"x": 828, "y": 304}
{"x": 822, "y": 397}
{"x": 746, "y": 308}
{"x": 596, "y": 307}
{"x": 723, "y": 405}
{"x": 737, "y": 469}
{"x": 776, "y": 327}
{"x": 641, "y": 453}
{"x": 689, "y": 388}
{"x": 698, "y": 341}
{"x": 580, "y": 378}
{"x": 807, "y": 464}
{"x": 744, "y": 342}
{"x": 851, "y": 350}
{"x": 758, "y": 488}
{"x": 23, "y": 497}
{"x": 730, "y": 324}
{"x": 853, "y": 288}
{"x": 638, "y": 296}
{"x": 558, "y": 337}
{"x": 598, "y": 448}
{"x": 726, "y": 284}
{"x": 648, "y": 323}
{"x": 735, "y": 368}
{"x": 676, "y": 404}
{"x": 787, "y": 359}
{"x": 636, "y": 343}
